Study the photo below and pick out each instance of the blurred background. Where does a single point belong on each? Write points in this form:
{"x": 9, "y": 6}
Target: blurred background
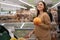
{"x": 22, "y": 10}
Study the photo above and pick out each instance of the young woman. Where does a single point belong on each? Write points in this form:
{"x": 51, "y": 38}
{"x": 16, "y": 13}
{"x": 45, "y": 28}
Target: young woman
{"x": 42, "y": 31}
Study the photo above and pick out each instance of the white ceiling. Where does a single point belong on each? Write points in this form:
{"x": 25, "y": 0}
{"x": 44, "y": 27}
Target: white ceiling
{"x": 17, "y": 2}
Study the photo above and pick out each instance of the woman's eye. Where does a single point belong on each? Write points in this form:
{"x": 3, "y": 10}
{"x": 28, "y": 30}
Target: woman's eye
{"x": 40, "y": 4}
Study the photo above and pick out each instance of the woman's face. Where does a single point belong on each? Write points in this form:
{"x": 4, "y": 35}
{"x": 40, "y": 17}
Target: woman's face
{"x": 40, "y": 6}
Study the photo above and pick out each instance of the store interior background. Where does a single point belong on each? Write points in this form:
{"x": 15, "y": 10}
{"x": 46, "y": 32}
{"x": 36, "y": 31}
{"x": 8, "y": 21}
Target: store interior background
{"x": 19, "y": 14}
{"x": 21, "y": 10}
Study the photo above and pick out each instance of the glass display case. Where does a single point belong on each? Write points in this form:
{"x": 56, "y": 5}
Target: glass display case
{"x": 21, "y": 29}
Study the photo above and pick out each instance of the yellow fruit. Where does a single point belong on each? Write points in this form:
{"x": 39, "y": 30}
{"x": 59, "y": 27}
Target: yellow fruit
{"x": 21, "y": 38}
{"x": 13, "y": 39}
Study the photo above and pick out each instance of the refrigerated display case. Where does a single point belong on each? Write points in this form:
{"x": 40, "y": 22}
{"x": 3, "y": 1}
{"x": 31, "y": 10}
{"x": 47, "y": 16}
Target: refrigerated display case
{"x": 21, "y": 29}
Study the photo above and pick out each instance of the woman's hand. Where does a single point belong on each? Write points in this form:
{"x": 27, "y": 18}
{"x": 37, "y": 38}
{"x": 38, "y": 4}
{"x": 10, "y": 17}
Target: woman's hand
{"x": 38, "y": 24}
{"x": 27, "y": 36}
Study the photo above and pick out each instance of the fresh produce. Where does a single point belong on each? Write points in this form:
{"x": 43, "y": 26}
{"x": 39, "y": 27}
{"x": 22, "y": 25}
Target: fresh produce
{"x": 13, "y": 39}
{"x": 21, "y": 38}
{"x": 37, "y": 21}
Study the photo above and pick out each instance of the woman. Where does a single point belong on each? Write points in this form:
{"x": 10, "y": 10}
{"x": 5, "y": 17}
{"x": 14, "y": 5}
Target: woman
{"x": 42, "y": 31}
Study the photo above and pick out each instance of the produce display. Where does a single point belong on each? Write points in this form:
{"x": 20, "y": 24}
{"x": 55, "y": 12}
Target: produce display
{"x": 21, "y": 38}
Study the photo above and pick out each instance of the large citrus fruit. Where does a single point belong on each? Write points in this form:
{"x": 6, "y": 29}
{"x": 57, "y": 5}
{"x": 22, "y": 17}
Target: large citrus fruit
{"x": 37, "y": 21}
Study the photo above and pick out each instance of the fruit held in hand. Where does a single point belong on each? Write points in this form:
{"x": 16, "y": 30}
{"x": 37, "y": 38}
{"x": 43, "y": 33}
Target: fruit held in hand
{"x": 13, "y": 39}
{"x": 37, "y": 21}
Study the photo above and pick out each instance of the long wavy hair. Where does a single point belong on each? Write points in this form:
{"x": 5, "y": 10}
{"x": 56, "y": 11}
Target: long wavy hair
{"x": 44, "y": 10}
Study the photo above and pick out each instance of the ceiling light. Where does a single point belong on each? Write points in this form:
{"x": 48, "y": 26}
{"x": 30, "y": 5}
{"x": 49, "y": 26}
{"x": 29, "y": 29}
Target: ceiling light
{"x": 27, "y": 3}
{"x": 13, "y": 5}
{"x": 55, "y": 5}
{"x": 43, "y": 0}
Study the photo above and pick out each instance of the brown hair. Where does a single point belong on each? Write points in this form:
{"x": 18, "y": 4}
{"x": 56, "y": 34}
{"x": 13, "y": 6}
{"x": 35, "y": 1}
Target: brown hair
{"x": 45, "y": 8}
